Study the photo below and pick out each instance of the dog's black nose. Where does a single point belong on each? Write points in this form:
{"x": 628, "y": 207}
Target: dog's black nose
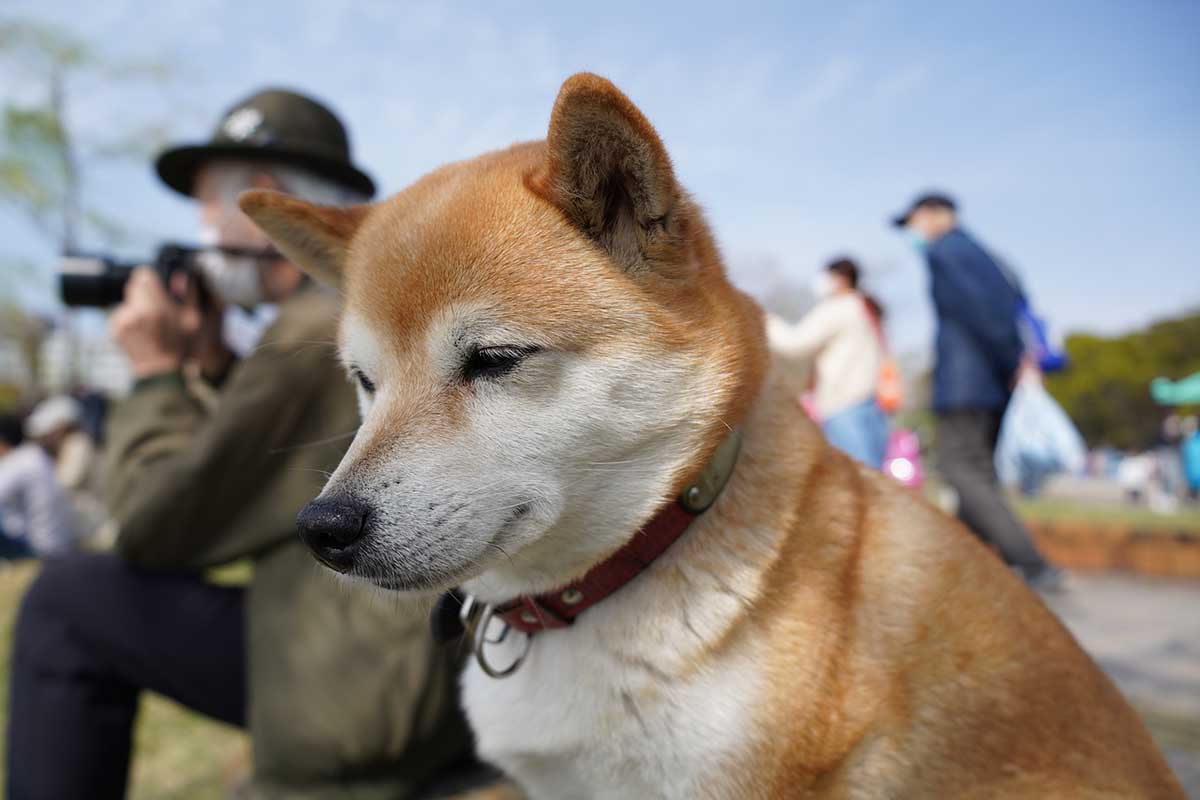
{"x": 332, "y": 529}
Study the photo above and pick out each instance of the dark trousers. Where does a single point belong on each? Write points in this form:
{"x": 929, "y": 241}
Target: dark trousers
{"x": 13, "y": 549}
{"x": 91, "y": 634}
{"x": 966, "y": 446}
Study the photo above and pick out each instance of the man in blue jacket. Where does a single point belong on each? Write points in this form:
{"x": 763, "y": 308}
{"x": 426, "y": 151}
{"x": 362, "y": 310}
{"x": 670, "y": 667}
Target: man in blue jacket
{"x": 979, "y": 352}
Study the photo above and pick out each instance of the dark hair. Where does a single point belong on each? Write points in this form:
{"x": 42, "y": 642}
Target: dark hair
{"x": 12, "y": 431}
{"x": 847, "y": 269}
{"x": 874, "y": 307}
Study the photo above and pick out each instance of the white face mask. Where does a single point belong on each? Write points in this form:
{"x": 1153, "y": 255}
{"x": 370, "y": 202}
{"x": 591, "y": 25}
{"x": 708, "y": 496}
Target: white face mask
{"x": 241, "y": 330}
{"x": 822, "y": 285}
{"x": 235, "y": 279}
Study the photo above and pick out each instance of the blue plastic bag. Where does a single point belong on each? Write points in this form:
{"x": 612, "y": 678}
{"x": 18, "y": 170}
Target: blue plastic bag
{"x": 1037, "y": 438}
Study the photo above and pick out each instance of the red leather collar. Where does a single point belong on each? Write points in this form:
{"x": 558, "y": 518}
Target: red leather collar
{"x": 559, "y": 608}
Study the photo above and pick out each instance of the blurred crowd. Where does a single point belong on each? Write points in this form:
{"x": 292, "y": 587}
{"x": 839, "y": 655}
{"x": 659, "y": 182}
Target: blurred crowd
{"x": 1163, "y": 478}
{"x": 987, "y": 392}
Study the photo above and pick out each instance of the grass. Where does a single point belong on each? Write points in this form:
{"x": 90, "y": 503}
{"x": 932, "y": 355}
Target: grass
{"x": 1186, "y": 519}
{"x": 178, "y": 755}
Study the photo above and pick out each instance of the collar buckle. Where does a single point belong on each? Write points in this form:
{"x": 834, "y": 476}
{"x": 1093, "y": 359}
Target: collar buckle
{"x": 480, "y": 640}
{"x": 712, "y": 479}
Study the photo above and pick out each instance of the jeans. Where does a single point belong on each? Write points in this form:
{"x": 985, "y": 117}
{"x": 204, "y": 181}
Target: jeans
{"x": 860, "y": 431}
{"x": 966, "y": 446}
{"x": 92, "y": 633}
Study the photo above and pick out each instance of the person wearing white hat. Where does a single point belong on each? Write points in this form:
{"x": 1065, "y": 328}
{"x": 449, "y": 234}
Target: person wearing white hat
{"x": 57, "y": 425}
{"x": 54, "y": 424}
{"x": 35, "y": 517}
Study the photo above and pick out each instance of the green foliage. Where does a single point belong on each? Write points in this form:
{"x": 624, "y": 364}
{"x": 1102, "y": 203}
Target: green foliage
{"x": 1106, "y": 391}
{"x": 33, "y": 168}
{"x": 31, "y": 39}
{"x": 42, "y": 160}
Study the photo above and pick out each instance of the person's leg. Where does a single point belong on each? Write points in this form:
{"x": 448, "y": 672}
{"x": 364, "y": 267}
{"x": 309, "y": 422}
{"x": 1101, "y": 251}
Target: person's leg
{"x": 854, "y": 432}
{"x": 13, "y": 549}
{"x": 1031, "y": 473}
{"x": 91, "y": 633}
{"x": 966, "y": 458}
{"x": 878, "y": 428}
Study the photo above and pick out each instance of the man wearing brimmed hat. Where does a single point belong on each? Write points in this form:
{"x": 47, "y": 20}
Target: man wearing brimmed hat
{"x": 979, "y": 351}
{"x": 238, "y": 410}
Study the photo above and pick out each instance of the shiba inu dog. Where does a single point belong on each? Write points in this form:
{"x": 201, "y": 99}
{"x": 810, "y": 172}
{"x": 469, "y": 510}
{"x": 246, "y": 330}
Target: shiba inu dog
{"x": 569, "y": 412}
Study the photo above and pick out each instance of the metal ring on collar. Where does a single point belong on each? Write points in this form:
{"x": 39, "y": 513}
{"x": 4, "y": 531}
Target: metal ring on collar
{"x": 481, "y": 641}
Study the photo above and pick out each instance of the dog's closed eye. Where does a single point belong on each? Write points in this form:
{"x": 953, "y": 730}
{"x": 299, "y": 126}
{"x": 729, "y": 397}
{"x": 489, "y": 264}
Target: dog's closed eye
{"x": 366, "y": 383}
{"x": 495, "y": 362}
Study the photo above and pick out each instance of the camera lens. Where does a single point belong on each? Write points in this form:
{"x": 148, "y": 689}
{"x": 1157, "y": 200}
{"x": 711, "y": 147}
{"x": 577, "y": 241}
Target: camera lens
{"x": 92, "y": 282}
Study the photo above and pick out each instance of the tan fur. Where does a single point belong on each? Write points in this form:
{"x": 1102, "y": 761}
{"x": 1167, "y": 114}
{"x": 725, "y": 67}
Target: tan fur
{"x": 898, "y": 657}
{"x": 314, "y": 237}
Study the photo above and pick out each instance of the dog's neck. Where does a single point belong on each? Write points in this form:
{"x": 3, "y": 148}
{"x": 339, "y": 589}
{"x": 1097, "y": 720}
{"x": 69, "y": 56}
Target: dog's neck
{"x": 598, "y": 527}
{"x": 703, "y": 587}
{"x": 559, "y": 608}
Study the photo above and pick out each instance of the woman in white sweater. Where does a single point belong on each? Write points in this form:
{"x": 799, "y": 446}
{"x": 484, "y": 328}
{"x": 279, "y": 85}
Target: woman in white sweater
{"x": 844, "y": 339}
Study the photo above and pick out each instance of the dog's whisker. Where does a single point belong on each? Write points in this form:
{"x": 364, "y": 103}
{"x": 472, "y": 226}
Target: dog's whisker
{"x": 316, "y": 443}
{"x": 323, "y": 472}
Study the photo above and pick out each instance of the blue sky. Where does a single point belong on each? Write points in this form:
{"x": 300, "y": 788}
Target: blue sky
{"x": 1069, "y": 131}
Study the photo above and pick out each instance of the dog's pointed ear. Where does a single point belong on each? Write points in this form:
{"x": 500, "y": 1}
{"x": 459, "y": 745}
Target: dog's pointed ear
{"x": 314, "y": 238}
{"x": 608, "y": 172}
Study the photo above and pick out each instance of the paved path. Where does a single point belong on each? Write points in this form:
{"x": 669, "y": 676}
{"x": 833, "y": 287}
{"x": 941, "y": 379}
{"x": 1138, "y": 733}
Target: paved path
{"x": 1146, "y": 634}
{"x": 1083, "y": 489}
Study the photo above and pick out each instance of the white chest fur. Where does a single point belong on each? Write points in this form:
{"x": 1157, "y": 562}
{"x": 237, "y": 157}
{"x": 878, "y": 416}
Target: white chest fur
{"x": 590, "y": 716}
{"x": 576, "y": 721}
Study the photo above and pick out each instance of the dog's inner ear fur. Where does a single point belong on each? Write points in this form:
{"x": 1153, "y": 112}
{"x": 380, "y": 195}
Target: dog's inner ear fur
{"x": 314, "y": 238}
{"x": 608, "y": 172}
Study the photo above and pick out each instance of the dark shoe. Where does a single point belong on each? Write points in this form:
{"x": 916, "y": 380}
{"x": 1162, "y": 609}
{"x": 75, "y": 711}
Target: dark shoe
{"x": 1046, "y": 581}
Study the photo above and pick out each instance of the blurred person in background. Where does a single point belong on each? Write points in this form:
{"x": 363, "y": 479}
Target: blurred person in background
{"x": 35, "y": 517}
{"x": 93, "y": 410}
{"x": 56, "y": 425}
{"x": 842, "y": 334}
{"x": 1190, "y": 430}
{"x": 979, "y": 354}
{"x": 239, "y": 409}
{"x": 1170, "y": 463}
{"x": 1136, "y": 475}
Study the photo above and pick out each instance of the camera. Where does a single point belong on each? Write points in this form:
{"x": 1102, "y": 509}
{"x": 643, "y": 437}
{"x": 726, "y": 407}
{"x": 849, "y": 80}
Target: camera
{"x": 99, "y": 281}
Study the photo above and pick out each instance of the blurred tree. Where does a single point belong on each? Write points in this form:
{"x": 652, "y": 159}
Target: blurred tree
{"x": 43, "y": 159}
{"x": 1106, "y": 391}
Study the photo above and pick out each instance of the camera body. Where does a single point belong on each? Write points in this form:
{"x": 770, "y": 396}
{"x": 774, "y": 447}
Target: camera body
{"x": 99, "y": 281}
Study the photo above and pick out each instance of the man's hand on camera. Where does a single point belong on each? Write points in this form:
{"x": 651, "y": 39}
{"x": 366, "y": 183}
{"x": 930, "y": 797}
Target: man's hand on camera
{"x": 146, "y": 324}
{"x": 200, "y": 321}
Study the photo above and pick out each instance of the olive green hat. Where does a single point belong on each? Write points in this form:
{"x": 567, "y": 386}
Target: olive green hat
{"x": 271, "y": 125}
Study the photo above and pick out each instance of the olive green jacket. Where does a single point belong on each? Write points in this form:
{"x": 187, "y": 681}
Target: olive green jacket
{"x": 348, "y": 696}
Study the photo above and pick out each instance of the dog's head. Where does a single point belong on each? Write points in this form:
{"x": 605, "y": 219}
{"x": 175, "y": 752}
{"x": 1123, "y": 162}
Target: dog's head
{"x": 545, "y": 348}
